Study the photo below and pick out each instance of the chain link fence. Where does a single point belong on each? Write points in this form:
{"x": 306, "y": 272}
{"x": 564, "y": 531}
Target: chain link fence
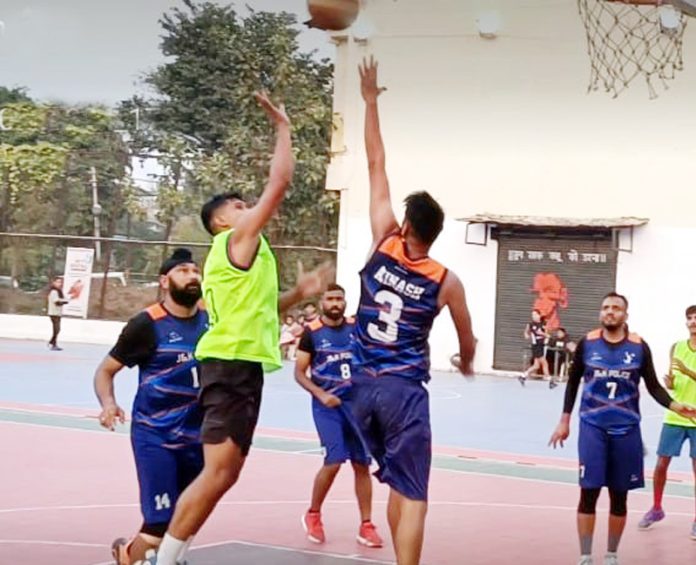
{"x": 125, "y": 273}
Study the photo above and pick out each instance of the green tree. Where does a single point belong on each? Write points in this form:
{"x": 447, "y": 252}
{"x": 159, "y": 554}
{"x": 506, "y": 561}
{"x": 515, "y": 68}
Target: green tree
{"x": 216, "y": 60}
{"x": 46, "y": 158}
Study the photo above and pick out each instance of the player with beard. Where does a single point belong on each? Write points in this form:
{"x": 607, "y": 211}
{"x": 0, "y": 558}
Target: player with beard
{"x": 323, "y": 369}
{"x": 166, "y": 417}
{"x": 611, "y": 362}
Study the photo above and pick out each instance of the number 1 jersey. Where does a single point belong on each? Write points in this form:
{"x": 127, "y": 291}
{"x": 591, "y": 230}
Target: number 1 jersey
{"x": 398, "y": 303}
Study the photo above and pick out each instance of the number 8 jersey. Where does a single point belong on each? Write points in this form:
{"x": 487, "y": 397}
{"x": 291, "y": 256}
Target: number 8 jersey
{"x": 329, "y": 348}
{"x": 398, "y": 303}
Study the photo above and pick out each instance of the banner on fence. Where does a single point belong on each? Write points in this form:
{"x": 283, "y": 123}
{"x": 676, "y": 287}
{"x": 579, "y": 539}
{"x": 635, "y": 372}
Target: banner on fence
{"x": 77, "y": 279}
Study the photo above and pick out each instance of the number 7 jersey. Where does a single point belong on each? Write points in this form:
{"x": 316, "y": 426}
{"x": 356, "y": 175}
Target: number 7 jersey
{"x": 398, "y": 303}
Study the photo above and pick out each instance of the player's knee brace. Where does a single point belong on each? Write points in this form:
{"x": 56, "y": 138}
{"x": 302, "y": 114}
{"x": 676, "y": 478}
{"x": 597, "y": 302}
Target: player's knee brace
{"x": 617, "y": 503}
{"x": 154, "y": 530}
{"x": 588, "y": 500}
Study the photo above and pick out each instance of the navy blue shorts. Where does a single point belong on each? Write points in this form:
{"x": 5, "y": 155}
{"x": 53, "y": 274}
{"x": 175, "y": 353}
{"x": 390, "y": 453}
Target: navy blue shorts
{"x": 672, "y": 439}
{"x": 394, "y": 418}
{"x": 611, "y": 460}
{"x": 339, "y": 434}
{"x": 163, "y": 474}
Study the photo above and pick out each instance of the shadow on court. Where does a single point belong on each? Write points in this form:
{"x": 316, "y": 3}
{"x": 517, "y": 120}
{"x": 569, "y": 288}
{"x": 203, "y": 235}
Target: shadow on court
{"x": 238, "y": 553}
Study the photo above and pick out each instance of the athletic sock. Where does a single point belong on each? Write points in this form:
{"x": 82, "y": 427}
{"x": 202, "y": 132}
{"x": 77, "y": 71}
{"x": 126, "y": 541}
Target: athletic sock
{"x": 169, "y": 550}
{"x": 184, "y": 549}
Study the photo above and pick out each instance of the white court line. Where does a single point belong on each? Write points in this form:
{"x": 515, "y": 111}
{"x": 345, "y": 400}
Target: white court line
{"x": 47, "y": 410}
{"x": 544, "y": 481}
{"x": 104, "y": 432}
{"x": 278, "y": 548}
{"x": 50, "y": 542}
{"x": 462, "y": 503}
{"x": 310, "y": 452}
{"x": 444, "y": 394}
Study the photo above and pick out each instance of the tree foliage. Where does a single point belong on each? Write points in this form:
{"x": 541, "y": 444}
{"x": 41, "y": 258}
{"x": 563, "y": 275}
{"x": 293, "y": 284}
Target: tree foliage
{"x": 204, "y": 96}
{"x": 46, "y": 158}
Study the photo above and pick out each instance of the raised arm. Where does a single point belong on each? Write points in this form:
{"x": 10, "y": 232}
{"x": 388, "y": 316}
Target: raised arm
{"x": 244, "y": 240}
{"x": 669, "y": 377}
{"x": 453, "y": 296}
{"x": 306, "y": 285}
{"x": 382, "y": 218}
{"x": 678, "y": 364}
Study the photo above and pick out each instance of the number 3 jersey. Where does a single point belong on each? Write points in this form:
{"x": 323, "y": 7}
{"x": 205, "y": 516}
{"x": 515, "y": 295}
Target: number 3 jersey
{"x": 162, "y": 345}
{"x": 398, "y": 303}
{"x": 329, "y": 348}
{"x": 612, "y": 373}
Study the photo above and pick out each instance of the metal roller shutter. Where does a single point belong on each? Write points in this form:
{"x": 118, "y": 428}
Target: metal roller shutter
{"x": 565, "y": 276}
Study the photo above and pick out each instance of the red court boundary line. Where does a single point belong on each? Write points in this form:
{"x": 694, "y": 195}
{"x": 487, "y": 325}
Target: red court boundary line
{"x": 438, "y": 450}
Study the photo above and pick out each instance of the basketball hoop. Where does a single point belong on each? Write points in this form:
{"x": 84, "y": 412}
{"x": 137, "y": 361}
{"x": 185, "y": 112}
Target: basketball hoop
{"x": 631, "y": 38}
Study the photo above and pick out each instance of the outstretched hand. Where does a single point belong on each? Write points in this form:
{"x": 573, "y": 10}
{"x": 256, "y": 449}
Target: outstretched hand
{"x": 316, "y": 281}
{"x": 678, "y": 365}
{"x": 368, "y": 80}
{"x": 276, "y": 113}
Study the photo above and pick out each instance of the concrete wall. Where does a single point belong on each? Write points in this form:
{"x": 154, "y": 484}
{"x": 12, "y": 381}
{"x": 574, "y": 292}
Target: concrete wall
{"x": 506, "y": 126}
{"x": 72, "y": 330}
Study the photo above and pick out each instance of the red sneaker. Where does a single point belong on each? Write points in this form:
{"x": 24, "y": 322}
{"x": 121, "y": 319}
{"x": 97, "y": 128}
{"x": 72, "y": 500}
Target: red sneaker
{"x": 368, "y": 536}
{"x": 311, "y": 522}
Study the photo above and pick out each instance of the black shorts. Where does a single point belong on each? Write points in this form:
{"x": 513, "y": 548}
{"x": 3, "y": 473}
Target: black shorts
{"x": 230, "y": 398}
{"x": 537, "y": 351}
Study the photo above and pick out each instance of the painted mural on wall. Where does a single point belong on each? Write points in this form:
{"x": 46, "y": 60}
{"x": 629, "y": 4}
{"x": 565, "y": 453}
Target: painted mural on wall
{"x": 564, "y": 279}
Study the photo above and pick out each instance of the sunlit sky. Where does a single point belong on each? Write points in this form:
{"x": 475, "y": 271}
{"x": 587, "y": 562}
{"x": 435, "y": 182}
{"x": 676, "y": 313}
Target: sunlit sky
{"x": 97, "y": 50}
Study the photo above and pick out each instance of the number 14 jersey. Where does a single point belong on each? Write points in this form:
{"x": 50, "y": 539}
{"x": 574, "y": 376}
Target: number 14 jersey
{"x": 398, "y": 303}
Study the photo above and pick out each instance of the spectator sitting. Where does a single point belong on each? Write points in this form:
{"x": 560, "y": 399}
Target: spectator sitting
{"x": 287, "y": 338}
{"x": 559, "y": 348}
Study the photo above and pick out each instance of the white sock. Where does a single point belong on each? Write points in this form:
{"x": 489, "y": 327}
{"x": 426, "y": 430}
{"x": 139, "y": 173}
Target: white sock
{"x": 184, "y": 549}
{"x": 169, "y": 549}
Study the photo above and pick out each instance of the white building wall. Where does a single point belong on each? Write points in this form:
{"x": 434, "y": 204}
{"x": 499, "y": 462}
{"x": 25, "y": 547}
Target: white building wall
{"x": 505, "y": 126}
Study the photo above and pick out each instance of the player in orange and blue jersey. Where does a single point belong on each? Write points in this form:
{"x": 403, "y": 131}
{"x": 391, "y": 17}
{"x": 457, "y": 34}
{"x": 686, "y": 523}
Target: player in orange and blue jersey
{"x": 323, "y": 369}
{"x": 165, "y": 432}
{"x": 611, "y": 362}
{"x": 402, "y": 291}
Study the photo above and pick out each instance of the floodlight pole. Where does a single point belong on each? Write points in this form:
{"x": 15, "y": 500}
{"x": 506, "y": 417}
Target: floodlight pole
{"x": 96, "y": 212}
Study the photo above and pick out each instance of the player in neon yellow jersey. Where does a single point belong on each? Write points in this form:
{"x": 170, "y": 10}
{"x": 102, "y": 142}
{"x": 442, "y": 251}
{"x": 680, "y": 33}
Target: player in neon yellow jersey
{"x": 676, "y": 429}
{"x": 240, "y": 284}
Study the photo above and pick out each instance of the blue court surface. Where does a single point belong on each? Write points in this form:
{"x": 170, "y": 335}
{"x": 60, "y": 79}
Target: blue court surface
{"x": 487, "y": 413}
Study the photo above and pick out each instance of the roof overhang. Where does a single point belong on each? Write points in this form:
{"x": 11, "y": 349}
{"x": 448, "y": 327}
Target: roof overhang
{"x": 555, "y": 222}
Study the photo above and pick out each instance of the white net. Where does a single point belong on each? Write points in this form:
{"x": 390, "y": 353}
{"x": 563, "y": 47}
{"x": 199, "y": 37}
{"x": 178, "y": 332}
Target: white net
{"x": 625, "y": 41}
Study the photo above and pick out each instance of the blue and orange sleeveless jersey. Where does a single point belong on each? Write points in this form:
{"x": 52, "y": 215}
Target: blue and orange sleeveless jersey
{"x": 610, "y": 396}
{"x": 166, "y": 402}
{"x": 332, "y": 353}
{"x": 398, "y": 303}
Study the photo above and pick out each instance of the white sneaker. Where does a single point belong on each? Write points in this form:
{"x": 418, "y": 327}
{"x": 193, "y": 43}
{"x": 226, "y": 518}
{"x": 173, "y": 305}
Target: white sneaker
{"x": 585, "y": 560}
{"x": 611, "y": 559}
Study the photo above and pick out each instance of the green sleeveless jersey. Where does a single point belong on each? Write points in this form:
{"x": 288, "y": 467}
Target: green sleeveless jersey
{"x": 242, "y": 307}
{"x": 684, "y": 386}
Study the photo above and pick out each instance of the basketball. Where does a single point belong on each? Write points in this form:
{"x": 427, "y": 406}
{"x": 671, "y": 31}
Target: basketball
{"x": 332, "y": 15}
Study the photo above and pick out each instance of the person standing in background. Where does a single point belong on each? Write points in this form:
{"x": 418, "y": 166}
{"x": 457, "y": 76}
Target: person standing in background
{"x": 54, "y": 308}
